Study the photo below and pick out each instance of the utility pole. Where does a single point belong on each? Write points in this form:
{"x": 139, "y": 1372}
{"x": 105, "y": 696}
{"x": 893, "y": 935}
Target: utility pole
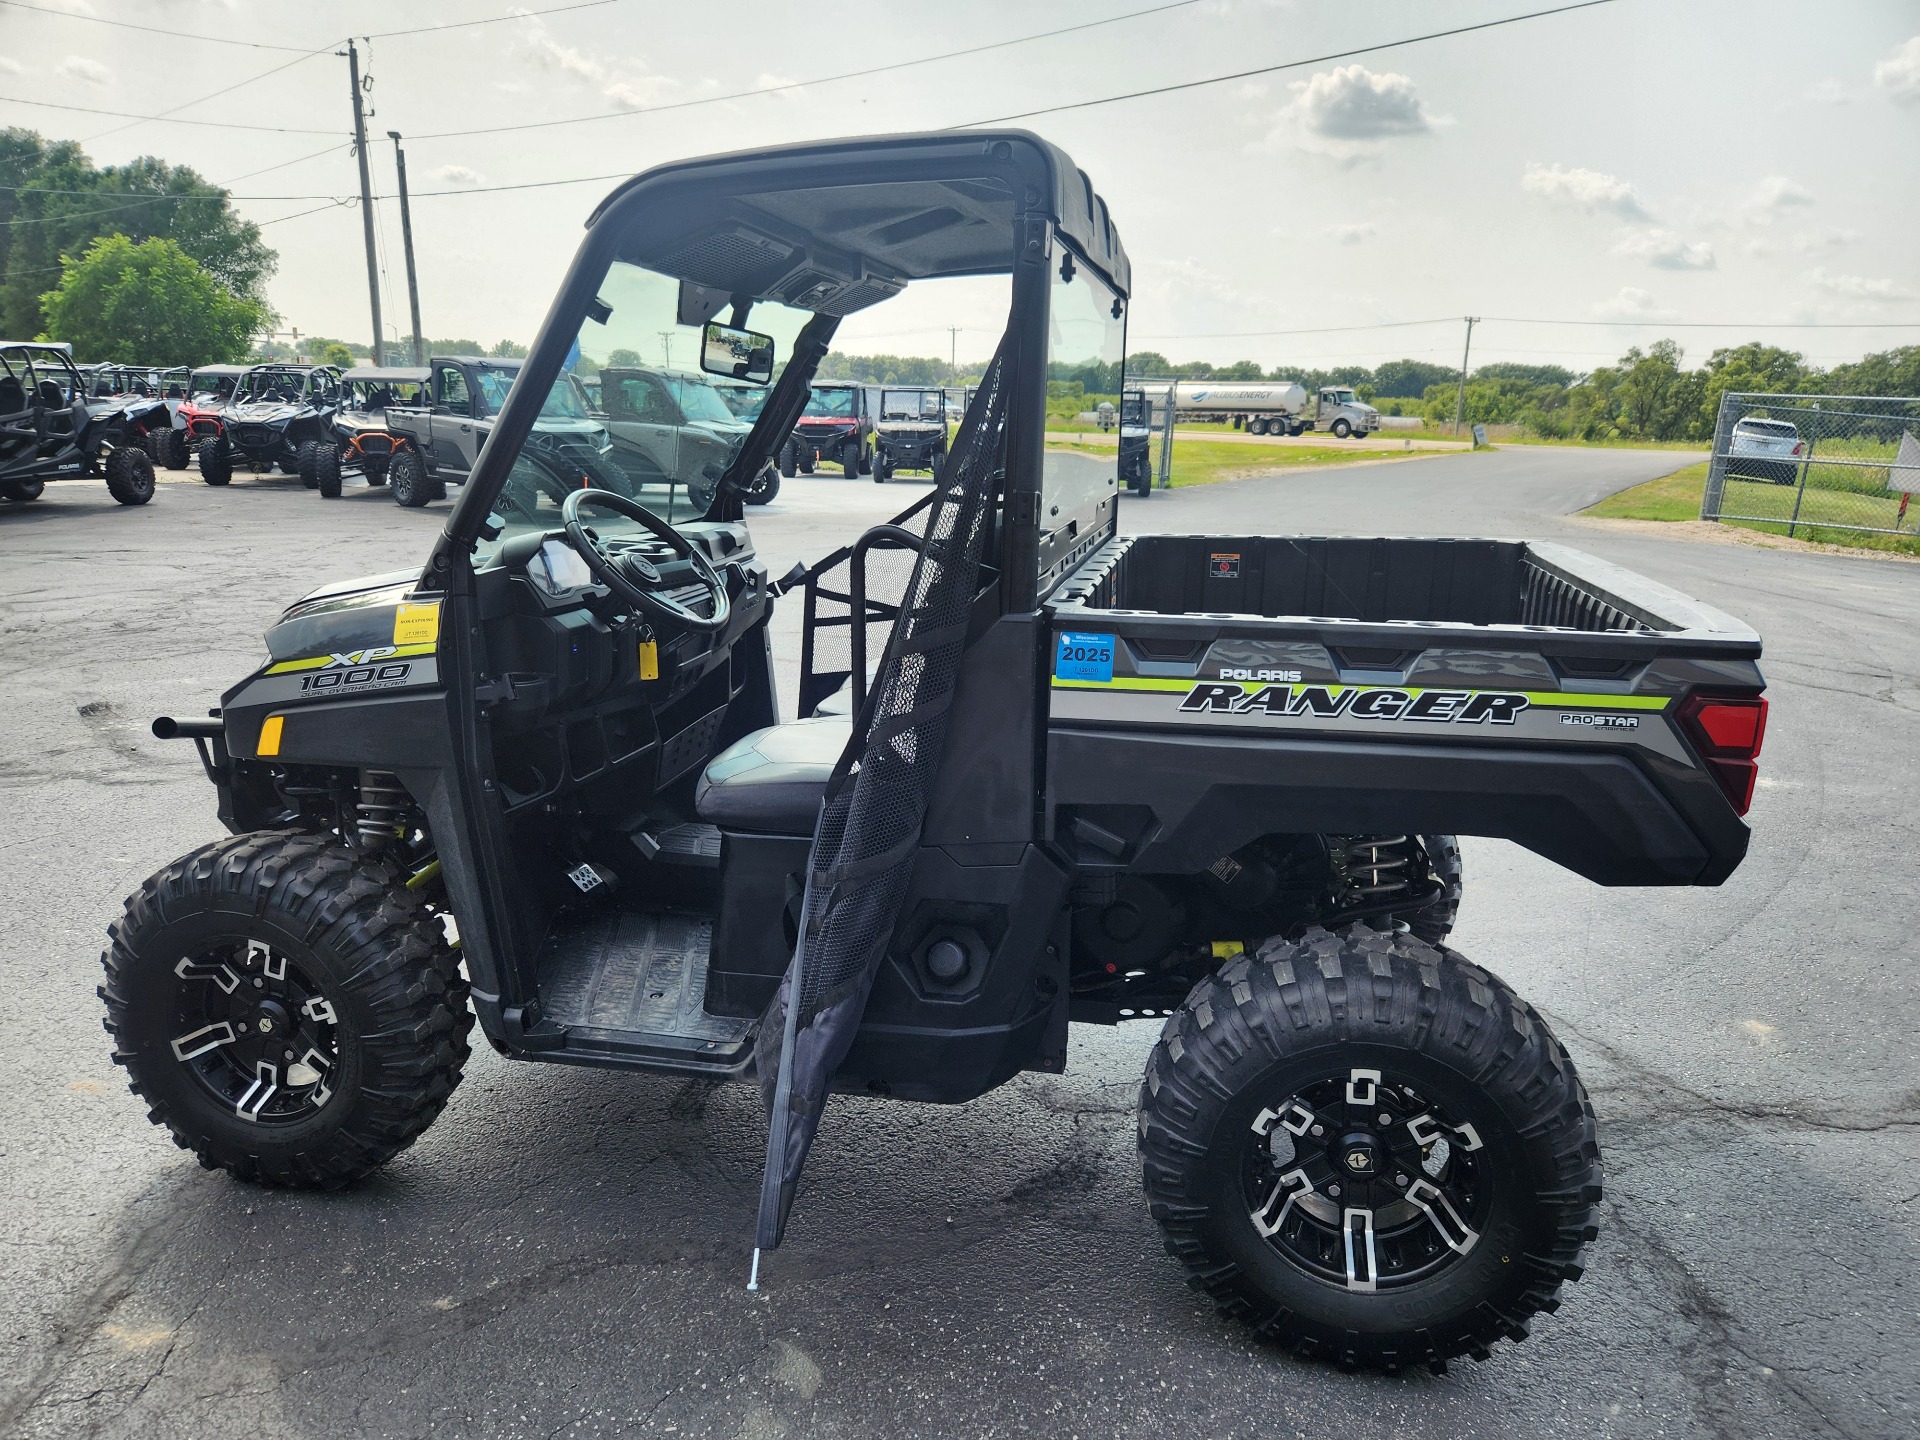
{"x": 406, "y": 240}
{"x": 666, "y": 349}
{"x": 1460, "y": 400}
{"x": 366, "y": 201}
{"x": 953, "y": 352}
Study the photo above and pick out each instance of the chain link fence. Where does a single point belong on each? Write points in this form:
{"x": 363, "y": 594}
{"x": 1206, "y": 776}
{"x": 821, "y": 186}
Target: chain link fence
{"x": 1812, "y": 464}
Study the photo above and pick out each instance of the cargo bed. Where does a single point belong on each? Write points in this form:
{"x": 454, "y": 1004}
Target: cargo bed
{"x": 1412, "y": 685}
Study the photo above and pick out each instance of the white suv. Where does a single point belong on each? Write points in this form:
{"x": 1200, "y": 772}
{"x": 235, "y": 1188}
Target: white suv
{"x": 1765, "y": 450}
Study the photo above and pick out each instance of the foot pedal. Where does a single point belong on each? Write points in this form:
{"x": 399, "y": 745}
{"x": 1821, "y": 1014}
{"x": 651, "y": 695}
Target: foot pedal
{"x": 692, "y": 845}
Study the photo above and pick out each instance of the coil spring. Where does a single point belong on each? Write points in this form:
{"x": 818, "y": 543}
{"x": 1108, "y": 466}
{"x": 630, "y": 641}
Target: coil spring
{"x": 1377, "y": 867}
{"x": 383, "y": 810}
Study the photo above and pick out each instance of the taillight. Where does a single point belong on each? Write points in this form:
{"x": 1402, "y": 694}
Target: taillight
{"x": 1728, "y": 730}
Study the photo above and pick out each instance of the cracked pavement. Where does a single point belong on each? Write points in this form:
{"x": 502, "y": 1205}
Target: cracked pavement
{"x": 564, "y": 1253}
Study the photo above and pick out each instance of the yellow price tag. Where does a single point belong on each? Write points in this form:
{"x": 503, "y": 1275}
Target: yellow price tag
{"x": 649, "y": 660}
{"x": 417, "y": 624}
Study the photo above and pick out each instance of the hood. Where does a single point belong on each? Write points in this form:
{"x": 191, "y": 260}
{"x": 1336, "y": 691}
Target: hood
{"x": 341, "y": 616}
{"x": 732, "y": 432}
{"x": 931, "y": 427}
{"x": 361, "y": 420}
{"x": 263, "y": 412}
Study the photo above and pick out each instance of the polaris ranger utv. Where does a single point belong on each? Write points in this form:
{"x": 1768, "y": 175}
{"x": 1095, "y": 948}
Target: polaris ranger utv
{"x": 911, "y": 433}
{"x": 835, "y": 427}
{"x": 279, "y": 415}
{"x": 1054, "y": 774}
{"x": 51, "y": 429}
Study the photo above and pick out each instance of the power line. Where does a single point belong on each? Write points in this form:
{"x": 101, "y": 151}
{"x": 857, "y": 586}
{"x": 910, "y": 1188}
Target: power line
{"x": 1288, "y": 65}
{"x": 298, "y": 159}
{"x": 860, "y": 74}
{"x": 1321, "y": 330}
{"x": 1721, "y": 324}
{"x": 227, "y": 90}
{"x": 147, "y": 29}
{"x": 170, "y": 120}
{"x": 336, "y": 205}
{"x": 491, "y": 20}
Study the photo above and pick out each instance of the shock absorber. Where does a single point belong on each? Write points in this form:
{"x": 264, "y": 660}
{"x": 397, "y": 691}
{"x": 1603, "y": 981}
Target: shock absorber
{"x": 1377, "y": 868}
{"x": 383, "y": 811}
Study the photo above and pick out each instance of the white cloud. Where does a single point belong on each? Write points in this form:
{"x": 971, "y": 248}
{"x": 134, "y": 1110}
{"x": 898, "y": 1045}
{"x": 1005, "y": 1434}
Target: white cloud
{"x": 79, "y": 67}
{"x": 458, "y": 175}
{"x": 1773, "y": 195}
{"x": 1631, "y": 303}
{"x": 1353, "y": 233}
{"x": 1829, "y": 237}
{"x": 1585, "y": 190}
{"x": 1353, "y": 103}
{"x": 1857, "y": 287}
{"x": 1665, "y": 250}
{"x": 10, "y": 66}
{"x": 621, "y": 86}
{"x": 1899, "y": 73}
{"x": 1830, "y": 92}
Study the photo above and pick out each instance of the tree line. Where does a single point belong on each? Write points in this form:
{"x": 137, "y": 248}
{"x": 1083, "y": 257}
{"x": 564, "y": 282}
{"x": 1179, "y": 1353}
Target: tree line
{"x": 144, "y": 262}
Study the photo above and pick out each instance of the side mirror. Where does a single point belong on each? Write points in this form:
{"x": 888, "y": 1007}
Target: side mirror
{"x": 737, "y": 354}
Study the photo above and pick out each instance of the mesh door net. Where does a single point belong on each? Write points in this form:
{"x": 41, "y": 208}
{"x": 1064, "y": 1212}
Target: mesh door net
{"x": 870, "y": 820}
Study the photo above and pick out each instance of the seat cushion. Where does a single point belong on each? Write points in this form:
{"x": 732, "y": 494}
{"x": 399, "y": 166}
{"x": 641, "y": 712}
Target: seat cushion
{"x": 770, "y": 782}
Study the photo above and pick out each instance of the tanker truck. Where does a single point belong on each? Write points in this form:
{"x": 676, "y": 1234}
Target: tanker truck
{"x": 1276, "y": 407}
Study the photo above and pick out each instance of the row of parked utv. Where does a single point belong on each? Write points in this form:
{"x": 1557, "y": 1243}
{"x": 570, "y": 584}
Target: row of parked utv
{"x": 415, "y": 429}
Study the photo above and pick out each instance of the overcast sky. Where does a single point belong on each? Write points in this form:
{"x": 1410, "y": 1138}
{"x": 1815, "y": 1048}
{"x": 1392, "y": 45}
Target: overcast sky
{"x": 1643, "y": 161}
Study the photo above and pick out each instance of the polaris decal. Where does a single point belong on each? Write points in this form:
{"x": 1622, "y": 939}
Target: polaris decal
{"x": 357, "y": 678}
{"x": 1326, "y": 702}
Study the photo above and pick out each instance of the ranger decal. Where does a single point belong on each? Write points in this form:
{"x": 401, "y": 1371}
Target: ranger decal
{"x": 1470, "y": 707}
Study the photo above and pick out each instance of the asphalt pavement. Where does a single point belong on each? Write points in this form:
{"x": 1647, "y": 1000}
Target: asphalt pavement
{"x": 564, "y": 1253}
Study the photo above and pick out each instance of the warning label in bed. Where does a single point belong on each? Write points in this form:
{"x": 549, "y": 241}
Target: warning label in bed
{"x": 1083, "y": 657}
{"x": 1224, "y": 566}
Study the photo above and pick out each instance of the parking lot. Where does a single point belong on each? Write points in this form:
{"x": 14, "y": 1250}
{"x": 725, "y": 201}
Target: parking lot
{"x": 565, "y": 1252}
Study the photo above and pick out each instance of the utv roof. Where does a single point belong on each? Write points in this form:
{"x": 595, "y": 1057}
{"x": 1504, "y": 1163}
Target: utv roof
{"x": 389, "y": 374}
{"x": 498, "y": 362}
{"x": 223, "y": 369}
{"x": 836, "y": 226}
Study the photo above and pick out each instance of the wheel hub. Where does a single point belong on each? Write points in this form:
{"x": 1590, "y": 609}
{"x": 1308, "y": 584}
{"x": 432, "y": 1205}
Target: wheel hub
{"x": 1364, "y": 1183}
{"x": 255, "y": 1032}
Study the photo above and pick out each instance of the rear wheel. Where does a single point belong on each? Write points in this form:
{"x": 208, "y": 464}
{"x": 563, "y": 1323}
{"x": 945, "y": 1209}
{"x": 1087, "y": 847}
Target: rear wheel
{"x": 375, "y": 471}
{"x": 326, "y": 472}
{"x": 216, "y": 462}
{"x": 1369, "y": 1150}
{"x": 787, "y": 461}
{"x": 1434, "y": 922}
{"x": 292, "y": 1017}
{"x": 23, "y": 491}
{"x": 407, "y": 480}
{"x": 130, "y": 475}
{"x": 175, "y": 451}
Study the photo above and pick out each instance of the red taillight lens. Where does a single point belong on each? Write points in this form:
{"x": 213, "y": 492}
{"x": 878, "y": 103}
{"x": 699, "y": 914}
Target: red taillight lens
{"x": 1728, "y": 731}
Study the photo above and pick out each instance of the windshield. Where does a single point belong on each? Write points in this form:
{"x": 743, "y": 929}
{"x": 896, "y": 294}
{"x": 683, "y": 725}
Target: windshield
{"x": 220, "y": 386}
{"x": 699, "y": 400}
{"x": 378, "y": 394}
{"x": 1086, "y": 335}
{"x": 1340, "y": 397}
{"x": 564, "y": 400}
{"x": 273, "y": 385}
{"x": 745, "y": 401}
{"x": 835, "y": 404}
{"x": 912, "y": 405}
{"x": 662, "y": 434}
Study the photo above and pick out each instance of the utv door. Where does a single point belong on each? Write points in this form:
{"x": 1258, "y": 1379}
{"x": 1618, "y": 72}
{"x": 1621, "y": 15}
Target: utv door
{"x": 644, "y": 424}
{"x": 456, "y": 438}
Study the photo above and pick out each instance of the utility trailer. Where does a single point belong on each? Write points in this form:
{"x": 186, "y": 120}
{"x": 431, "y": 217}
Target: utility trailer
{"x": 1042, "y": 774}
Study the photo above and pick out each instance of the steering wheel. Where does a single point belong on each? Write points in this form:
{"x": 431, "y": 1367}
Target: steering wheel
{"x": 632, "y": 576}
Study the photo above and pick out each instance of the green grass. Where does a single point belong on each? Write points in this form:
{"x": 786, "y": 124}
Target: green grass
{"x": 1769, "y": 509}
{"x": 1202, "y": 462}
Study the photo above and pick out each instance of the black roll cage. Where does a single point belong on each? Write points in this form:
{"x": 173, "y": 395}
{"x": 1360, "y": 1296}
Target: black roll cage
{"x": 1051, "y": 201}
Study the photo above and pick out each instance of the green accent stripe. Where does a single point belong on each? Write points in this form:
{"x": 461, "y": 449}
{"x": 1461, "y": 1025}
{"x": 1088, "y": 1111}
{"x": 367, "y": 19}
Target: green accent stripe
{"x": 320, "y": 662}
{"x": 1565, "y": 699}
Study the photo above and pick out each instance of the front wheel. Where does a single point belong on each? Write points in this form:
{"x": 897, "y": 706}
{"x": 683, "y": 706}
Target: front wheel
{"x": 787, "y": 462}
{"x": 303, "y": 462}
{"x": 762, "y": 488}
{"x": 23, "y": 491}
{"x": 1341, "y": 429}
{"x": 407, "y": 480}
{"x": 130, "y": 475}
{"x": 850, "y": 462}
{"x": 216, "y": 462}
{"x": 1369, "y": 1149}
{"x": 291, "y": 1016}
{"x": 326, "y": 472}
